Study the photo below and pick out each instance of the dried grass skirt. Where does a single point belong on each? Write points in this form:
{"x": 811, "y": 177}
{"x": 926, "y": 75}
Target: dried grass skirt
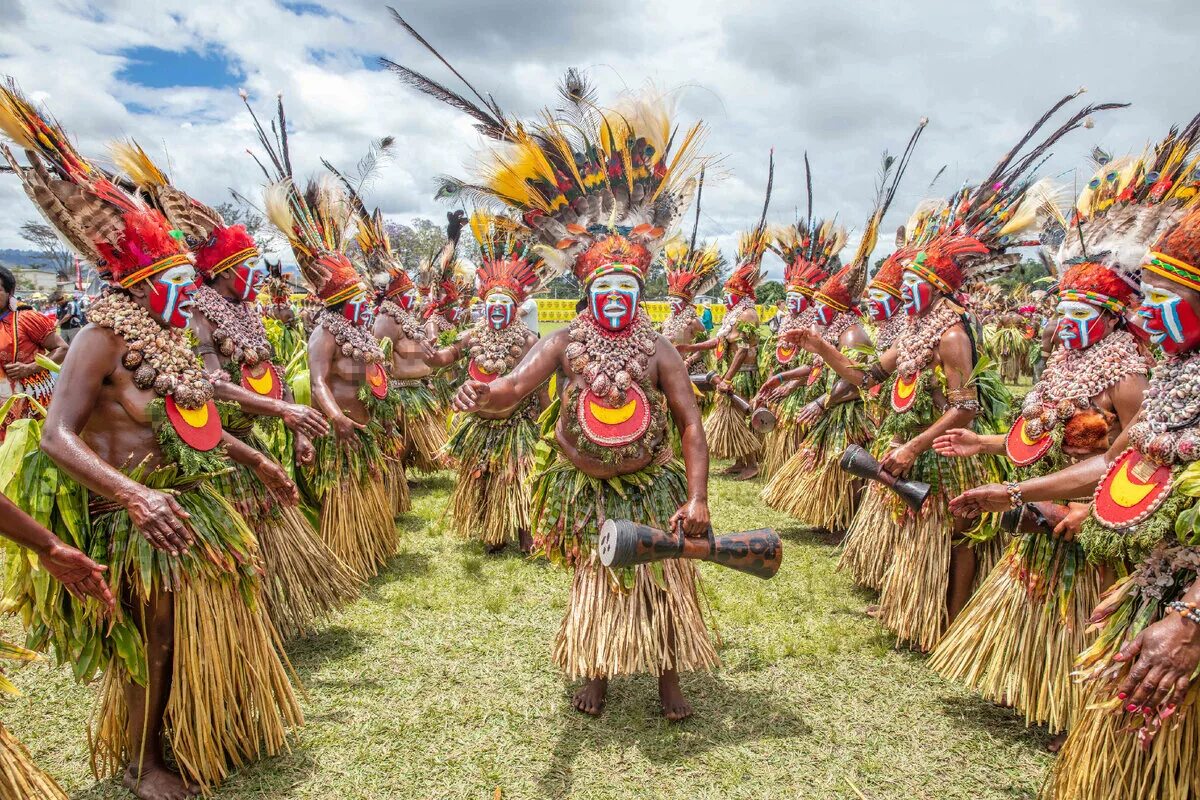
{"x": 357, "y": 508}
{"x": 20, "y": 778}
{"x": 728, "y": 431}
{"x": 422, "y": 426}
{"x": 1017, "y": 639}
{"x": 872, "y": 539}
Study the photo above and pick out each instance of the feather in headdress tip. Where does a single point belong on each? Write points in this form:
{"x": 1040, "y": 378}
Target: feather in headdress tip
{"x": 1088, "y": 122}
{"x": 242, "y": 93}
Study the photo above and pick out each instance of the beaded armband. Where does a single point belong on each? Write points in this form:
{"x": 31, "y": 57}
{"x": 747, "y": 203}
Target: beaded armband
{"x": 1188, "y": 611}
{"x": 966, "y": 398}
{"x": 876, "y": 374}
{"x": 1014, "y": 494}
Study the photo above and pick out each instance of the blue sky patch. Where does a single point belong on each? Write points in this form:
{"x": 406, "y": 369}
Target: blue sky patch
{"x": 155, "y": 68}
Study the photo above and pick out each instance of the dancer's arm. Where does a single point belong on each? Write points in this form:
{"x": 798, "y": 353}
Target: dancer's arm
{"x": 1164, "y": 657}
{"x": 75, "y": 571}
{"x": 448, "y": 355}
{"x": 841, "y": 363}
{"x": 157, "y": 515}
{"x": 273, "y": 476}
{"x": 677, "y": 386}
{"x": 321, "y": 351}
{"x": 507, "y": 391}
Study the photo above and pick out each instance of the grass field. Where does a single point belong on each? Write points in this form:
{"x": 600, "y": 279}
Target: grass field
{"x": 437, "y": 684}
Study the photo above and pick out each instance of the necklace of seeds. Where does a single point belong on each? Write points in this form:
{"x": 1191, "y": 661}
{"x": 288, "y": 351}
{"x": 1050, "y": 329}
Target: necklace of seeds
{"x": 355, "y": 341}
{"x": 238, "y": 331}
{"x": 794, "y": 322}
{"x": 497, "y": 351}
{"x": 1169, "y": 427}
{"x": 160, "y": 358}
{"x": 441, "y": 324}
{"x": 921, "y": 336}
{"x": 677, "y": 323}
{"x": 888, "y": 332}
{"x": 410, "y": 326}
{"x": 611, "y": 361}
{"x": 731, "y": 317}
{"x": 1073, "y": 377}
{"x": 841, "y": 323}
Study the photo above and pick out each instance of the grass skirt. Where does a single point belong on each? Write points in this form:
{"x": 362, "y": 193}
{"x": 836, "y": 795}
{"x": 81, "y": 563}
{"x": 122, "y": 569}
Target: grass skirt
{"x": 811, "y": 486}
{"x": 641, "y": 619}
{"x": 728, "y": 431}
{"x": 422, "y": 426}
{"x": 231, "y": 700}
{"x": 787, "y": 438}
{"x": 872, "y": 539}
{"x": 1017, "y": 639}
{"x": 490, "y": 501}
{"x": 20, "y": 778}
{"x": 357, "y": 502}
{"x": 912, "y": 599}
{"x": 303, "y": 579}
{"x": 1103, "y": 756}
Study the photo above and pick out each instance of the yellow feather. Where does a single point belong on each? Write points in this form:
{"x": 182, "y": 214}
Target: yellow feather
{"x": 131, "y": 159}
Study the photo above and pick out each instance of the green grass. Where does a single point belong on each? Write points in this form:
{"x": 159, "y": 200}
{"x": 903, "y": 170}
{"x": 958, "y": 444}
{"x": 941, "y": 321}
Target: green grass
{"x": 437, "y": 684}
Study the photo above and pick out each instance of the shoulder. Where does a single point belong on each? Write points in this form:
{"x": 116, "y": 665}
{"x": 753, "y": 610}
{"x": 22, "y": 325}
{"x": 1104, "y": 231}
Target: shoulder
{"x": 856, "y": 334}
{"x": 95, "y": 342}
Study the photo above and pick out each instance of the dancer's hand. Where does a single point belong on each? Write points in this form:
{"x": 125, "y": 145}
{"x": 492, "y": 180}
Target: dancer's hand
{"x": 159, "y": 517}
{"x": 899, "y": 460}
{"x": 19, "y": 371}
{"x": 305, "y": 452}
{"x": 1069, "y": 526}
{"x": 974, "y": 502}
{"x": 1163, "y": 658}
{"x": 276, "y": 479}
{"x": 471, "y": 395}
{"x": 723, "y": 386}
{"x": 304, "y": 419}
{"x": 769, "y": 387}
{"x": 78, "y": 574}
{"x": 346, "y": 430}
{"x": 804, "y": 338}
{"x": 810, "y": 413}
{"x": 693, "y": 517}
{"x": 958, "y": 443}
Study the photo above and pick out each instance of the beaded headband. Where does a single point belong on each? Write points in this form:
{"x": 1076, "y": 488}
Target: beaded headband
{"x": 1093, "y": 298}
{"x": 1173, "y": 269}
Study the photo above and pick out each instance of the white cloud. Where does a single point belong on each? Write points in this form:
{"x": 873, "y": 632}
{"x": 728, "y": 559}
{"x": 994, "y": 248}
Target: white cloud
{"x": 843, "y": 82}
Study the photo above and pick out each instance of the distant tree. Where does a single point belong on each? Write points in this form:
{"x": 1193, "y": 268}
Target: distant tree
{"x": 770, "y": 293}
{"x": 1028, "y": 273}
{"x": 51, "y": 252}
{"x": 422, "y": 240}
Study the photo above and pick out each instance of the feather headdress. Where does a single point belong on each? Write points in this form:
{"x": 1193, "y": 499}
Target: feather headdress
{"x": 691, "y": 270}
{"x": 315, "y": 221}
{"x": 984, "y": 221}
{"x": 216, "y": 246}
{"x": 842, "y": 289}
{"x": 809, "y": 248}
{"x": 600, "y": 187}
{"x": 1124, "y": 208}
{"x": 510, "y": 263}
{"x": 911, "y": 238}
{"x": 118, "y": 232}
{"x": 752, "y": 246}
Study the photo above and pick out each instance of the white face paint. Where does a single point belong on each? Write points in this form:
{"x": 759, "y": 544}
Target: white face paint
{"x": 1079, "y": 324}
{"x": 171, "y": 293}
{"x": 916, "y": 291}
{"x": 677, "y": 304}
{"x": 796, "y": 302}
{"x": 500, "y": 310}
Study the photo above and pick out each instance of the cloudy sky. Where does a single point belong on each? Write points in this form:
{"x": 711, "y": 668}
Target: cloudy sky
{"x": 842, "y": 80}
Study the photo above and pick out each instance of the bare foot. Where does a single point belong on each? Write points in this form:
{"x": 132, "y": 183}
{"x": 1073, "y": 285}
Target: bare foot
{"x": 747, "y": 473}
{"x": 1055, "y": 744}
{"x": 492, "y": 549}
{"x": 526, "y": 542}
{"x": 156, "y": 782}
{"x": 871, "y": 611}
{"x": 590, "y": 699}
{"x": 732, "y": 468}
{"x": 675, "y": 706}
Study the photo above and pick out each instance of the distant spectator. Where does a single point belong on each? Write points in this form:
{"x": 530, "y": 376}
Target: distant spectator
{"x": 71, "y": 318}
{"x": 707, "y": 318}
{"x": 529, "y": 315}
{"x": 24, "y": 334}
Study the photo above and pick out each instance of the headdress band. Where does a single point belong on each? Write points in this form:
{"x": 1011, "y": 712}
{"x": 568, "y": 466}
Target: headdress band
{"x": 176, "y": 260}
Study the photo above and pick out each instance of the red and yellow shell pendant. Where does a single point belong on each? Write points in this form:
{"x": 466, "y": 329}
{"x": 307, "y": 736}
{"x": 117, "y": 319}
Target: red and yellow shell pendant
{"x": 610, "y": 426}
{"x": 1131, "y": 490}
{"x": 785, "y": 352}
{"x": 377, "y": 380}
{"x": 480, "y": 374}
{"x": 904, "y": 392}
{"x": 199, "y": 428}
{"x": 1023, "y": 450}
{"x": 265, "y": 383}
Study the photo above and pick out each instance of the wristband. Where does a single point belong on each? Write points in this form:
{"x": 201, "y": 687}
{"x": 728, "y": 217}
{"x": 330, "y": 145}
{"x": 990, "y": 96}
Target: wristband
{"x": 1188, "y": 611}
{"x": 1014, "y": 494}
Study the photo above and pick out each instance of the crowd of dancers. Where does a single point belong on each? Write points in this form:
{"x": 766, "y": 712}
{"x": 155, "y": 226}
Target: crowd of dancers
{"x": 219, "y": 467}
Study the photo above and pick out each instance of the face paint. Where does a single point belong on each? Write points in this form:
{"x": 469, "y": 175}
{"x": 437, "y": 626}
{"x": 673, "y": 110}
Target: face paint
{"x": 408, "y": 300}
{"x": 916, "y": 292}
{"x": 796, "y": 302}
{"x": 1080, "y": 325}
{"x": 248, "y": 278}
{"x": 454, "y": 313}
{"x": 825, "y": 314}
{"x": 171, "y": 295}
{"x": 499, "y": 309}
{"x": 732, "y": 299}
{"x": 613, "y": 300}
{"x": 678, "y": 304}
{"x": 881, "y": 305}
{"x": 357, "y": 310}
{"x": 1169, "y": 319}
